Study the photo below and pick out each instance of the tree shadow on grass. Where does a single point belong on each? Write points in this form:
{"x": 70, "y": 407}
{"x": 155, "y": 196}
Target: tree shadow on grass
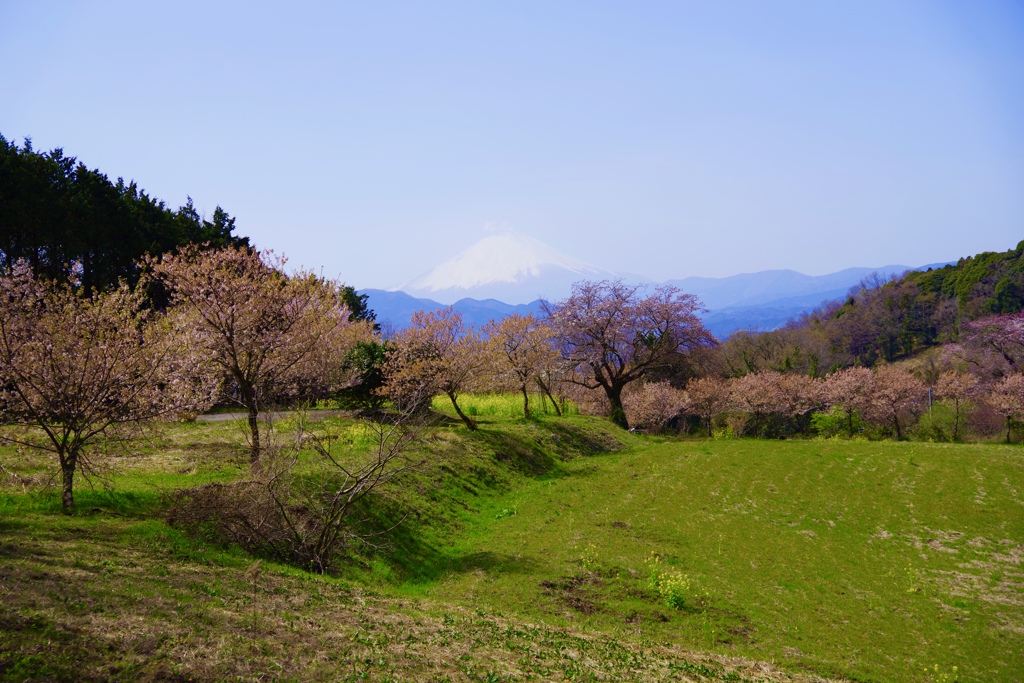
{"x": 522, "y": 455}
{"x": 571, "y": 441}
{"x": 422, "y": 553}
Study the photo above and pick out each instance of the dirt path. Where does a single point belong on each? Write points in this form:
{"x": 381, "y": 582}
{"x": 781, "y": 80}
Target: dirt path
{"x": 276, "y": 415}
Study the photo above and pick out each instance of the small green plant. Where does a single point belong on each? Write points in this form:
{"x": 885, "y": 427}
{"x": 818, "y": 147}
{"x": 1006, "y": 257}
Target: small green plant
{"x": 588, "y": 557}
{"x": 937, "y": 675}
{"x": 671, "y": 585}
{"x": 914, "y": 579}
{"x": 836, "y": 423}
{"x": 723, "y": 433}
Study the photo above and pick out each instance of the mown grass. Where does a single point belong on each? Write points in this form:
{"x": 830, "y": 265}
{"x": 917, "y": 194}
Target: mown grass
{"x": 863, "y": 560}
{"x": 527, "y": 555}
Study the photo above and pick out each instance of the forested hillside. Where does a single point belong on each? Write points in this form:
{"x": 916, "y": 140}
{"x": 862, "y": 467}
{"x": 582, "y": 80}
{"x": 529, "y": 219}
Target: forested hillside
{"x": 884, "y": 320}
{"x": 65, "y": 218}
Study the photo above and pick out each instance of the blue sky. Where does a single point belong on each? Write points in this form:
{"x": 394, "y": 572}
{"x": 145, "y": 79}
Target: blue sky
{"x": 665, "y": 139}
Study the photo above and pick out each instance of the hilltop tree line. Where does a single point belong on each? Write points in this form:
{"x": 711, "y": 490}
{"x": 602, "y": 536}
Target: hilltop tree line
{"x": 61, "y": 216}
{"x": 884, "y": 321}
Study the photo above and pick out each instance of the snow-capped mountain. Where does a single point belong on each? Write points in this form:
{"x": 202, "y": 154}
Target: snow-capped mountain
{"x": 508, "y": 272}
{"x": 507, "y": 266}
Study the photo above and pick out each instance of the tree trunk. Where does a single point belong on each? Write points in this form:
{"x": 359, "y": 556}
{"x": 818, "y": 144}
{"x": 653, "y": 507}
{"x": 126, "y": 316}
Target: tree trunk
{"x": 254, "y": 429}
{"x": 470, "y": 424}
{"x": 253, "y": 411}
{"x": 710, "y": 434}
{"x": 546, "y": 390}
{"x": 618, "y": 413}
{"x": 1007, "y": 429}
{"x": 67, "y": 467}
{"x": 526, "y": 403}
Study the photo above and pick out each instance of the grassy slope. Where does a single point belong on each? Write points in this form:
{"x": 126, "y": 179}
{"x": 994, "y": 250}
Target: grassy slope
{"x": 527, "y": 558}
{"x": 863, "y": 560}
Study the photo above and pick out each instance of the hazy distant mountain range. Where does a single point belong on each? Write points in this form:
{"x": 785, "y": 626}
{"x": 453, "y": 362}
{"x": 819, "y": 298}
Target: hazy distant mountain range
{"x": 514, "y": 268}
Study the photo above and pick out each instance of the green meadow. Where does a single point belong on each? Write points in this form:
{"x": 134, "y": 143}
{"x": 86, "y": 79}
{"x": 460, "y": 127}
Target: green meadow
{"x": 550, "y": 549}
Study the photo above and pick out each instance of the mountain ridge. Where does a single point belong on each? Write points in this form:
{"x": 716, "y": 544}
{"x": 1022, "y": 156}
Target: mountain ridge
{"x": 730, "y": 310}
{"x": 509, "y": 272}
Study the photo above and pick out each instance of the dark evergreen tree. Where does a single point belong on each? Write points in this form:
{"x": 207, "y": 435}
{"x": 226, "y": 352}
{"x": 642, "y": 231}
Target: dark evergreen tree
{"x": 68, "y": 220}
{"x": 357, "y": 306}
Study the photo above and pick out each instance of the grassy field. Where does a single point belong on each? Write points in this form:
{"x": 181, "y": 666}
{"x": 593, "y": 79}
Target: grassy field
{"x": 554, "y": 549}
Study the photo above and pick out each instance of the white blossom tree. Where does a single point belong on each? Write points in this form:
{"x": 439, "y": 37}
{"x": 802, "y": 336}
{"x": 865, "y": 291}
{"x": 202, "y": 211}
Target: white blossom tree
{"x": 76, "y": 364}
{"x": 268, "y": 333}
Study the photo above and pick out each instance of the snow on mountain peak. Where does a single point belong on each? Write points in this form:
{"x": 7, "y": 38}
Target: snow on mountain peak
{"x": 507, "y": 258}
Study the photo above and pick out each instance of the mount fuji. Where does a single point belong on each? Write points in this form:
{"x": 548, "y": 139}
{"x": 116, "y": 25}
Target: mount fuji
{"x": 509, "y": 272}
{"x": 508, "y": 266}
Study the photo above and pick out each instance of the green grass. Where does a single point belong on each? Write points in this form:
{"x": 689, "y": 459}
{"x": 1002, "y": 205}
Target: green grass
{"x": 863, "y": 560}
{"x": 550, "y": 549}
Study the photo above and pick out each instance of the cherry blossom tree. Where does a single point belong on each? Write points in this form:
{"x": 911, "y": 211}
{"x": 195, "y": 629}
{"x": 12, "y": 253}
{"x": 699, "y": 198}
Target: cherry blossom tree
{"x": 706, "y": 397}
{"x": 522, "y": 350}
{"x": 958, "y": 388}
{"x": 652, "y": 405}
{"x": 609, "y": 334}
{"x": 757, "y": 395}
{"x": 849, "y": 390}
{"x": 75, "y": 367}
{"x": 896, "y": 396}
{"x": 999, "y": 336}
{"x": 436, "y": 354}
{"x": 270, "y": 334}
{"x": 768, "y": 394}
{"x": 1006, "y": 397}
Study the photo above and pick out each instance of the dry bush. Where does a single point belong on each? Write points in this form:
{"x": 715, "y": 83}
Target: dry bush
{"x": 293, "y": 511}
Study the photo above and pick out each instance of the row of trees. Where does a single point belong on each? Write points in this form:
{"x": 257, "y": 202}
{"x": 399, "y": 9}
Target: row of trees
{"x": 82, "y": 365}
{"x": 646, "y": 361}
{"x": 770, "y": 403}
{"x": 232, "y": 326}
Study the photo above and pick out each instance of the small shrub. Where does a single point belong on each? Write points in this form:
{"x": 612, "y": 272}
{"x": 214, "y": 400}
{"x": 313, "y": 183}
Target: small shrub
{"x": 835, "y": 423}
{"x": 297, "y": 515}
{"x": 671, "y": 585}
{"x": 737, "y": 423}
{"x": 936, "y": 424}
